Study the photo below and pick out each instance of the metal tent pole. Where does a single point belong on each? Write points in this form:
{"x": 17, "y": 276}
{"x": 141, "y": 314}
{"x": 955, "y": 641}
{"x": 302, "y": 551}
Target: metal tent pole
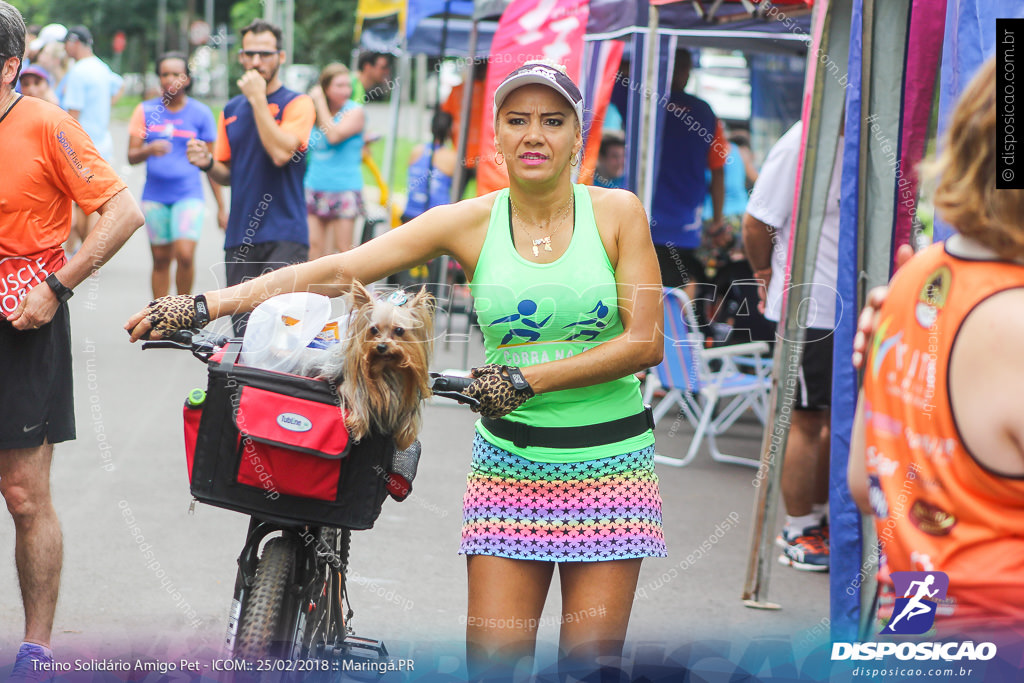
{"x": 821, "y": 128}
{"x": 645, "y": 181}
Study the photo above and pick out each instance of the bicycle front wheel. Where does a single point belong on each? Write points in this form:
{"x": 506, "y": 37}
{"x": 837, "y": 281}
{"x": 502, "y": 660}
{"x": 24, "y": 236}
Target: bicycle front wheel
{"x": 260, "y": 628}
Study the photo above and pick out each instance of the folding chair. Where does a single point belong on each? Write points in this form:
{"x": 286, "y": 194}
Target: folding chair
{"x": 711, "y": 400}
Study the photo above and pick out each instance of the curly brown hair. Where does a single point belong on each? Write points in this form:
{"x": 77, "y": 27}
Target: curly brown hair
{"x": 966, "y": 194}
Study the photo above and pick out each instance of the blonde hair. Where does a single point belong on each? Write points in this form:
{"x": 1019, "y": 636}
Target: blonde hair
{"x": 966, "y": 194}
{"x": 330, "y": 71}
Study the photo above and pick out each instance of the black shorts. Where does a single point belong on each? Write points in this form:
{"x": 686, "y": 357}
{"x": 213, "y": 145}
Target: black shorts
{"x": 815, "y": 379}
{"x": 36, "y": 395}
{"x": 249, "y": 261}
{"x": 679, "y": 267}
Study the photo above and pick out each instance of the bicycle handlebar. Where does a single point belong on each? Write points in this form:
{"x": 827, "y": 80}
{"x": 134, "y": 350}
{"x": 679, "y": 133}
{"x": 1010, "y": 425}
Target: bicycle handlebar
{"x": 452, "y": 386}
{"x": 204, "y": 344}
{"x": 201, "y": 344}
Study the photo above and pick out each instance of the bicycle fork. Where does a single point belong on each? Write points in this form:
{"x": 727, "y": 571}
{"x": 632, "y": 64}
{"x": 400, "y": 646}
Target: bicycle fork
{"x": 244, "y": 578}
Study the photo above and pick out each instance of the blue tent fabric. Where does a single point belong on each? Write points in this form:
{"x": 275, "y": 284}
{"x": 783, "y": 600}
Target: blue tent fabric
{"x": 667, "y": 45}
{"x": 970, "y": 39}
{"x": 634, "y": 108}
{"x": 417, "y": 10}
{"x": 776, "y": 95}
{"x": 878, "y": 93}
{"x": 609, "y": 16}
{"x": 426, "y": 39}
{"x": 625, "y": 16}
{"x": 844, "y": 517}
{"x": 771, "y": 75}
{"x": 619, "y": 18}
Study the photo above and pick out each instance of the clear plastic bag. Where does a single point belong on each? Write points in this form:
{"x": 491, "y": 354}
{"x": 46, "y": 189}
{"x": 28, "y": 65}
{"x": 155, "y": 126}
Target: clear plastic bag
{"x": 281, "y": 328}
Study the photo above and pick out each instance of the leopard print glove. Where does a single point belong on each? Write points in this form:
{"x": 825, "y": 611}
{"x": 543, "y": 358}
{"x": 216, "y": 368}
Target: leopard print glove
{"x": 493, "y": 388}
{"x": 172, "y": 313}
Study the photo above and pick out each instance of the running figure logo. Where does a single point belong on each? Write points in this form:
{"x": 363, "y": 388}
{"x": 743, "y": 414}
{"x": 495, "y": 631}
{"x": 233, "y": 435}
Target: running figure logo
{"x": 521, "y": 324}
{"x": 914, "y": 613}
{"x": 527, "y": 324}
{"x": 592, "y": 326}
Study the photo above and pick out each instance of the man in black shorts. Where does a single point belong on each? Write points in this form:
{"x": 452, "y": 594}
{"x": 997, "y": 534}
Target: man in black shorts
{"x": 48, "y": 161}
{"x": 805, "y": 471}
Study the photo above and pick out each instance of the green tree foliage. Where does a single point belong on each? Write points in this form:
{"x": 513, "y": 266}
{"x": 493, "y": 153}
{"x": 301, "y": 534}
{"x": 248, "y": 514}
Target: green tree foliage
{"x": 325, "y": 32}
{"x": 137, "y": 18}
{"x": 323, "y": 29}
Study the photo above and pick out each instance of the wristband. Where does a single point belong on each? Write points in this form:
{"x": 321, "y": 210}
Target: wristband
{"x": 515, "y": 375}
{"x": 202, "y": 318}
{"x": 209, "y": 166}
{"x": 62, "y": 292}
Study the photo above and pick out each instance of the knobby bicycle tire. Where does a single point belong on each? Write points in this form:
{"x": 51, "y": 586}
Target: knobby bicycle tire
{"x": 259, "y": 626}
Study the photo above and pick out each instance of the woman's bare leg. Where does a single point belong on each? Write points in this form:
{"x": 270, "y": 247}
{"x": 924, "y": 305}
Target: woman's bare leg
{"x": 506, "y": 598}
{"x": 597, "y": 598}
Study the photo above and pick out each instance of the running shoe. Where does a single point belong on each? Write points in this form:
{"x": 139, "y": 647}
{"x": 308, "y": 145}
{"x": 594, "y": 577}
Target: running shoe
{"x": 808, "y": 552}
{"x": 784, "y": 539}
{"x": 32, "y": 664}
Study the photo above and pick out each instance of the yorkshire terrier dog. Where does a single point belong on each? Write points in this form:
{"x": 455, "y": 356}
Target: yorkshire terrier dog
{"x": 383, "y": 364}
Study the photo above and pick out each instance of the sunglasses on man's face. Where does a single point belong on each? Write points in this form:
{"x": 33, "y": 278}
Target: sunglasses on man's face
{"x": 262, "y": 54}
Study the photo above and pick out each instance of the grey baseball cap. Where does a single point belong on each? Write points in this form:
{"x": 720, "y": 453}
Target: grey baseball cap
{"x": 79, "y": 33}
{"x": 542, "y": 73}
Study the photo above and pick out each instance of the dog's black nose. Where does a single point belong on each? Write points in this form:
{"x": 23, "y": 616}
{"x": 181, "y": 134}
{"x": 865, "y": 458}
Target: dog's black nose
{"x": 382, "y": 348}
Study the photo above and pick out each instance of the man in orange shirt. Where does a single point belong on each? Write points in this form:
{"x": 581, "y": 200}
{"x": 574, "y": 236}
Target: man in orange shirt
{"x": 48, "y": 161}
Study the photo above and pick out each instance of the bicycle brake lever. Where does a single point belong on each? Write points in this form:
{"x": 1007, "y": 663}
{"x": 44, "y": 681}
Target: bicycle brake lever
{"x": 164, "y": 344}
{"x": 461, "y": 398}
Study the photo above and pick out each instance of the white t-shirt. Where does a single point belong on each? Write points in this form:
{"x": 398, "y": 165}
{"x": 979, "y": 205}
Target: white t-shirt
{"x": 88, "y": 88}
{"x": 771, "y": 202}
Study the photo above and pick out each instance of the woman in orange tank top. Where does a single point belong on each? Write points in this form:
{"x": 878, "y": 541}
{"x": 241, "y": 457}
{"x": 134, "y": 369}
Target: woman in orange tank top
{"x": 938, "y": 447}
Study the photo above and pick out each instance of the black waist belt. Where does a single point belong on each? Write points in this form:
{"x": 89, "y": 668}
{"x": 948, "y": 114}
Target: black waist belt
{"x": 585, "y": 436}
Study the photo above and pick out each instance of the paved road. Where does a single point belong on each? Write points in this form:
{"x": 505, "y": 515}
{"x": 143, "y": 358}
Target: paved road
{"x": 125, "y": 477}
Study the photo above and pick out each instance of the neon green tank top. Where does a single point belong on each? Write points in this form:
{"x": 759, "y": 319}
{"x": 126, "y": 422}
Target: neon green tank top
{"x": 534, "y": 313}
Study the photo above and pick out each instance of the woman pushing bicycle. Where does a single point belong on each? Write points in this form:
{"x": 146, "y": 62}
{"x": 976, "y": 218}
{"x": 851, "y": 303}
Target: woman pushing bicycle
{"x": 568, "y": 292}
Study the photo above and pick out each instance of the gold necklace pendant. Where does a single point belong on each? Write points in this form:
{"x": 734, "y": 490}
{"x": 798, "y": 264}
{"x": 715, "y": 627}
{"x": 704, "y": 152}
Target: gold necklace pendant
{"x": 556, "y": 220}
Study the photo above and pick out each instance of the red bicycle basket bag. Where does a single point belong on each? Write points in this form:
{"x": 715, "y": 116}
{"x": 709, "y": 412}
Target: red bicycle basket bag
{"x": 290, "y": 444}
{"x": 275, "y": 445}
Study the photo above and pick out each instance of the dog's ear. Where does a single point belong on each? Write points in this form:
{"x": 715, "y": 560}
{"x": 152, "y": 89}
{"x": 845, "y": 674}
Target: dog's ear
{"x": 423, "y": 298}
{"x": 360, "y": 295}
{"x": 422, "y": 306}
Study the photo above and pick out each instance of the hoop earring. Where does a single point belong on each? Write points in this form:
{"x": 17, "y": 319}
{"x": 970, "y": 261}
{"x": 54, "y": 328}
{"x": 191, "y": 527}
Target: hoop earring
{"x": 496, "y": 155}
{"x": 578, "y": 156}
